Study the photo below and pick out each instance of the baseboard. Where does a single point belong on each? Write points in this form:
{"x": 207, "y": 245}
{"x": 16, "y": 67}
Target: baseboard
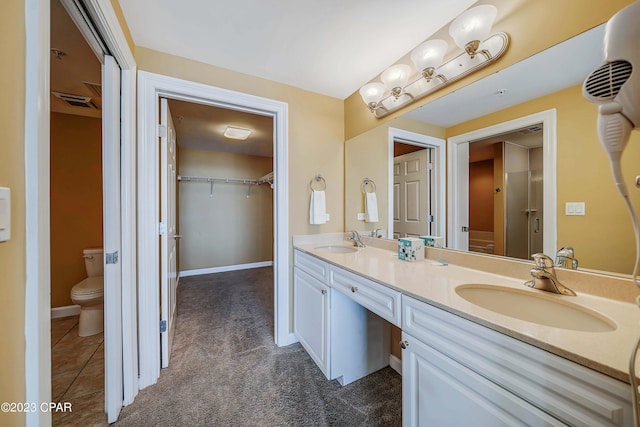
{"x": 225, "y": 268}
{"x": 69, "y": 310}
{"x": 395, "y": 363}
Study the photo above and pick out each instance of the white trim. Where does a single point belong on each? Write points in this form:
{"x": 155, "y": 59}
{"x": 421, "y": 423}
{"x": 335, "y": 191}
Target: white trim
{"x": 37, "y": 348}
{"x": 395, "y": 363}
{"x": 150, "y": 87}
{"x": 549, "y": 154}
{"x": 225, "y": 268}
{"x": 66, "y": 311}
{"x": 439, "y": 177}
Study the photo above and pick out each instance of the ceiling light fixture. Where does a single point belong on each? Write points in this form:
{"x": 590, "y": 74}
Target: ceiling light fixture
{"x": 233, "y": 132}
{"x": 469, "y": 31}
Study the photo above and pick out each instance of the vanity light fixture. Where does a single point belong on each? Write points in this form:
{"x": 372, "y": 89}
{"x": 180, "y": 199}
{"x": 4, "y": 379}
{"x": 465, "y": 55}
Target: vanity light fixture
{"x": 401, "y": 86}
{"x": 233, "y": 132}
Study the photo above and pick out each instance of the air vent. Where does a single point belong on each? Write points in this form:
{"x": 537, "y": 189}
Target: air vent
{"x": 605, "y": 82}
{"x": 75, "y": 100}
{"x": 95, "y": 88}
{"x": 530, "y": 130}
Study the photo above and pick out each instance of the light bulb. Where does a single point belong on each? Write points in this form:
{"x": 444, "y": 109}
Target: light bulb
{"x": 472, "y": 27}
{"x": 371, "y": 94}
{"x": 428, "y": 56}
{"x": 395, "y": 78}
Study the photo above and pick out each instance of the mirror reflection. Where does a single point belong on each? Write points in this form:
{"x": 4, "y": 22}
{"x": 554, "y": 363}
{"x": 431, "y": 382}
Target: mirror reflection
{"x": 601, "y": 236}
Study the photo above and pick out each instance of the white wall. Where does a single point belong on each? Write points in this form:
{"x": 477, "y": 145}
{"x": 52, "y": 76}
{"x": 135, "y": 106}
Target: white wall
{"x": 228, "y": 228}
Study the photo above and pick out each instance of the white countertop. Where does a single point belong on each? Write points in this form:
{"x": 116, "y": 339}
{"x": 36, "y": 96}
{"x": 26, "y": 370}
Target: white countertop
{"x": 433, "y": 283}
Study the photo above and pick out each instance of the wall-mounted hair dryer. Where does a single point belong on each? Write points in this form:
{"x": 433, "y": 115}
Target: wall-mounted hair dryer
{"x": 615, "y": 86}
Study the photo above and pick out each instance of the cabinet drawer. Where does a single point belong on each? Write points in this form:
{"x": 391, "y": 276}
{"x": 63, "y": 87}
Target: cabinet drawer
{"x": 312, "y": 266}
{"x": 381, "y": 300}
{"x": 570, "y": 392}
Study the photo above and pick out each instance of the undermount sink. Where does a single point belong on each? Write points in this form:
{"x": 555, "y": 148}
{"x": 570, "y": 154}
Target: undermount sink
{"x": 338, "y": 249}
{"x": 541, "y": 309}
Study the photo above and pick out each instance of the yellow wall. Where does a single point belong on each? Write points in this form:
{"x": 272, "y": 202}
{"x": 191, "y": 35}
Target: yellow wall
{"x": 12, "y": 253}
{"x": 532, "y": 26}
{"x": 76, "y": 199}
{"x": 603, "y": 238}
{"x": 367, "y": 156}
{"x": 316, "y": 132}
{"x": 228, "y": 228}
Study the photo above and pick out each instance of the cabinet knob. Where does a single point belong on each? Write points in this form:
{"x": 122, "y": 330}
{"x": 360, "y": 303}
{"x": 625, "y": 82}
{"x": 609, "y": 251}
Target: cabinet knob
{"x": 354, "y": 289}
{"x": 324, "y": 292}
{"x": 404, "y": 344}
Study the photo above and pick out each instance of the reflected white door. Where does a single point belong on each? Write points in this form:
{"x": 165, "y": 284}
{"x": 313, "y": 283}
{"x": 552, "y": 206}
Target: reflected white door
{"x": 412, "y": 194}
{"x": 168, "y": 236}
{"x": 112, "y": 232}
{"x": 459, "y": 238}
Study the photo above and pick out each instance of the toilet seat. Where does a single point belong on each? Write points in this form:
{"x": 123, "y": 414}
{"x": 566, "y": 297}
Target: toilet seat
{"x": 90, "y": 287}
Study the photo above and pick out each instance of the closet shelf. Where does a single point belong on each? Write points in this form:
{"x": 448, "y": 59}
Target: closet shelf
{"x": 267, "y": 179}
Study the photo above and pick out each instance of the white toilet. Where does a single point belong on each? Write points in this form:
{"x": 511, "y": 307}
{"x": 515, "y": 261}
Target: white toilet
{"x": 89, "y": 294}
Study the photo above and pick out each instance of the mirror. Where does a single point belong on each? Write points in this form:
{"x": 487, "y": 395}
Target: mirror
{"x": 603, "y": 237}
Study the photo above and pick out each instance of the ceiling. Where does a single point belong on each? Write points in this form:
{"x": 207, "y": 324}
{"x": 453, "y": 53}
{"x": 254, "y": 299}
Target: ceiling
{"x": 200, "y": 127}
{"x": 331, "y": 47}
{"x": 76, "y": 64}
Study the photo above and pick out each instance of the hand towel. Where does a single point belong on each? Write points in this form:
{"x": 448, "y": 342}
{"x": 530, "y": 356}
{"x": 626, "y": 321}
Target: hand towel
{"x": 371, "y": 207}
{"x": 317, "y": 208}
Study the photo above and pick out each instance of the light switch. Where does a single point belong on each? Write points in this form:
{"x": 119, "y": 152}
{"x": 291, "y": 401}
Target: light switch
{"x": 361, "y": 216}
{"x": 5, "y": 214}
{"x": 574, "y": 208}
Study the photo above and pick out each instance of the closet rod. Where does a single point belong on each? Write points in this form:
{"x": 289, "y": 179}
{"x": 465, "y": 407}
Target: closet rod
{"x": 226, "y": 180}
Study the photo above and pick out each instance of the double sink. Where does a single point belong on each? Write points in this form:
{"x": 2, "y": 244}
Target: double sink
{"x": 529, "y": 305}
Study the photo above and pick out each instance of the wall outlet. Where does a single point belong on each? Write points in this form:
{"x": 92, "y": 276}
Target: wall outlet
{"x": 574, "y": 209}
{"x": 361, "y": 216}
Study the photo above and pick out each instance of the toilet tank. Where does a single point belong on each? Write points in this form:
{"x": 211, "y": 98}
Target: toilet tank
{"x": 94, "y": 261}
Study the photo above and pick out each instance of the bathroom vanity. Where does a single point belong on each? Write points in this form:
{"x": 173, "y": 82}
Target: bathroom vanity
{"x": 462, "y": 364}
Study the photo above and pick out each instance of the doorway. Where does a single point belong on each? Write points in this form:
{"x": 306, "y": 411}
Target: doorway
{"x": 424, "y": 212}
{"x": 152, "y": 87}
{"x": 218, "y": 208}
{"x": 458, "y": 179}
{"x": 37, "y": 168}
{"x": 506, "y": 203}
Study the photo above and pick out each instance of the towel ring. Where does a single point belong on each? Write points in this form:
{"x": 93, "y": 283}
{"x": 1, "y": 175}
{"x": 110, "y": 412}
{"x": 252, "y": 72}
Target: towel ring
{"x": 320, "y": 179}
{"x": 371, "y": 182}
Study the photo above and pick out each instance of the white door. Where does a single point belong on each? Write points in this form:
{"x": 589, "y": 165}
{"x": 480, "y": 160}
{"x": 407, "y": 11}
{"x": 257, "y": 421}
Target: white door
{"x": 168, "y": 236}
{"x": 460, "y": 229}
{"x": 112, "y": 231}
{"x": 412, "y": 194}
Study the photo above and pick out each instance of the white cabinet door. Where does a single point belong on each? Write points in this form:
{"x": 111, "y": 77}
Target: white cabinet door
{"x": 437, "y": 391}
{"x": 311, "y": 317}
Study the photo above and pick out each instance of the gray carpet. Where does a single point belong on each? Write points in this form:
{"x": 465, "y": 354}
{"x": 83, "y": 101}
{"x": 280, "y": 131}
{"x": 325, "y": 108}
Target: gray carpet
{"x": 225, "y": 369}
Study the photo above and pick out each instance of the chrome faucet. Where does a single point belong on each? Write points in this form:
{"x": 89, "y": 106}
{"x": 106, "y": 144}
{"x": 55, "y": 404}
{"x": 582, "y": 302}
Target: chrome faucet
{"x": 544, "y": 276}
{"x": 355, "y": 238}
{"x": 566, "y": 258}
{"x": 375, "y": 232}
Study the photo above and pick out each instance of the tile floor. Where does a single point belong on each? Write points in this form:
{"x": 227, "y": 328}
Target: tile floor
{"x": 77, "y": 374}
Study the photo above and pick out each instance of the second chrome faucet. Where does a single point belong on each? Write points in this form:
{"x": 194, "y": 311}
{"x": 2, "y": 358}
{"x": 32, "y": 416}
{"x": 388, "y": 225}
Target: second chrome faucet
{"x": 544, "y": 276}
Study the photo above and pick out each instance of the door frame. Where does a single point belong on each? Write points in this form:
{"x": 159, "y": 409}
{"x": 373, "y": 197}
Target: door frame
{"x": 548, "y": 118}
{"x": 37, "y": 204}
{"x": 439, "y": 177}
{"x": 151, "y": 87}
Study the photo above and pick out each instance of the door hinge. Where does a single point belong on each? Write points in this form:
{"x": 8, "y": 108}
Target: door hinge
{"x": 111, "y": 258}
{"x": 163, "y": 326}
{"x": 465, "y": 229}
{"x": 430, "y": 218}
{"x": 162, "y": 228}
{"x": 429, "y": 166}
{"x": 162, "y": 131}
